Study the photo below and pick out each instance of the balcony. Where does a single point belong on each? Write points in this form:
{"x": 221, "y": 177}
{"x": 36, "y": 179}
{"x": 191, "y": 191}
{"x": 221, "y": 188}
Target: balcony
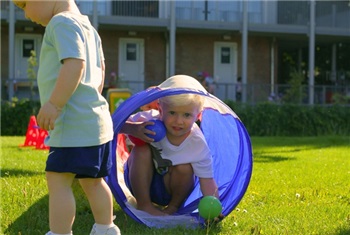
{"x": 329, "y": 14}
{"x": 255, "y": 93}
{"x": 332, "y": 17}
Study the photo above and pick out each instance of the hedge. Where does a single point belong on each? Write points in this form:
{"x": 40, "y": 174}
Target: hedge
{"x": 263, "y": 119}
{"x": 15, "y": 116}
{"x": 269, "y": 119}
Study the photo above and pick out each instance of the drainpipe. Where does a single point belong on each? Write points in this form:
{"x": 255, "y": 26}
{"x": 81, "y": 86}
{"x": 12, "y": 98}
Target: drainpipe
{"x": 312, "y": 52}
{"x": 300, "y": 59}
{"x": 272, "y": 66}
{"x": 167, "y": 55}
{"x": 334, "y": 62}
{"x": 95, "y": 15}
{"x": 172, "y": 55}
{"x": 12, "y": 21}
{"x": 206, "y": 11}
{"x": 244, "y": 51}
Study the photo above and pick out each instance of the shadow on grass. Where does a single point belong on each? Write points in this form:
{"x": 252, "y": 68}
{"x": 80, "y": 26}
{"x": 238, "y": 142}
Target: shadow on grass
{"x": 344, "y": 231}
{"x": 261, "y": 152}
{"x": 33, "y": 221}
{"x": 301, "y": 143}
{"x": 298, "y": 149}
{"x": 6, "y": 172}
{"x": 271, "y": 158}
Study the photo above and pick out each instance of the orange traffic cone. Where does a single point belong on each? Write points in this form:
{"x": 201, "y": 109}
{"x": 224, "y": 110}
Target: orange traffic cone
{"x": 41, "y": 138}
{"x": 122, "y": 149}
{"x": 32, "y": 133}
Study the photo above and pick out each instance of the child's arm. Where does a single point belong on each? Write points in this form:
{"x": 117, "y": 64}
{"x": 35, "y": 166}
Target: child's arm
{"x": 100, "y": 88}
{"x": 67, "y": 82}
{"x": 138, "y": 130}
{"x": 208, "y": 187}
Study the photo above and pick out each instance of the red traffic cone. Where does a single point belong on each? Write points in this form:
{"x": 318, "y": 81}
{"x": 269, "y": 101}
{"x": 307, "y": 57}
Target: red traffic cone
{"x": 32, "y": 133}
{"x": 41, "y": 138}
{"x": 122, "y": 149}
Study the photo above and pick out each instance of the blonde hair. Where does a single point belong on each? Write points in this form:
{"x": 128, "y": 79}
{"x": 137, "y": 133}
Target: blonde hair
{"x": 20, "y": 4}
{"x": 183, "y": 99}
{"x": 151, "y": 105}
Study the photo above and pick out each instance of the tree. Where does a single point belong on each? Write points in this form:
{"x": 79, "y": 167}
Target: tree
{"x": 31, "y": 72}
{"x": 295, "y": 93}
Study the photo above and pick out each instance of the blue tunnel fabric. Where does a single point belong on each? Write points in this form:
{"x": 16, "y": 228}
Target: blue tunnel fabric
{"x": 229, "y": 144}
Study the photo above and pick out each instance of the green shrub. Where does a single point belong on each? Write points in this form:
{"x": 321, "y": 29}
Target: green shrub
{"x": 15, "y": 116}
{"x": 31, "y": 71}
{"x": 269, "y": 119}
{"x": 294, "y": 94}
{"x": 263, "y": 119}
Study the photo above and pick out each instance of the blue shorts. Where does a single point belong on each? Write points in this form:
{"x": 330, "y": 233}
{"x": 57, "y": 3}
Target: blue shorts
{"x": 158, "y": 192}
{"x": 85, "y": 162}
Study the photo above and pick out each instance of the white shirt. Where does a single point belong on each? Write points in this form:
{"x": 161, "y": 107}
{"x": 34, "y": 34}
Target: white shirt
{"x": 85, "y": 120}
{"x": 193, "y": 149}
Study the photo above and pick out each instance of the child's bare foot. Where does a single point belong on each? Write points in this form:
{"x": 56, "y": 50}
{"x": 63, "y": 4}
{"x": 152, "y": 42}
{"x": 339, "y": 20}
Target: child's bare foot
{"x": 170, "y": 210}
{"x": 152, "y": 210}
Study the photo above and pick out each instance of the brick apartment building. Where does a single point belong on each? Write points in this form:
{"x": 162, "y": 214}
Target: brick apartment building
{"x": 147, "y": 41}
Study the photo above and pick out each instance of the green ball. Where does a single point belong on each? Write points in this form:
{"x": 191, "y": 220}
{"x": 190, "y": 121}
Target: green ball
{"x": 209, "y": 207}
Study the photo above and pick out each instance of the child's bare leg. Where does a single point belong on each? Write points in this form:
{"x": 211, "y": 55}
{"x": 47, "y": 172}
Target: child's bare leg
{"x": 179, "y": 182}
{"x": 100, "y": 199}
{"x": 61, "y": 202}
{"x": 140, "y": 165}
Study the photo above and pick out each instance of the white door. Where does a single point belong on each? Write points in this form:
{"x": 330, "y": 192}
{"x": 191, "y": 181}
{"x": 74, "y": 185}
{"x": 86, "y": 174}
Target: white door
{"x": 24, "y": 44}
{"x": 225, "y": 69}
{"x": 131, "y": 64}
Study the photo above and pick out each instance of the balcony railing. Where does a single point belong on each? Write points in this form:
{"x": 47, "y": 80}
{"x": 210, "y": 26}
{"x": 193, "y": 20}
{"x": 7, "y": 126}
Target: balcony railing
{"x": 255, "y": 93}
{"x": 329, "y": 14}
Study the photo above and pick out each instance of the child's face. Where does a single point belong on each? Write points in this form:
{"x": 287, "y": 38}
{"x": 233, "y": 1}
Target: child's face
{"x": 149, "y": 106}
{"x": 39, "y": 12}
{"x": 178, "y": 120}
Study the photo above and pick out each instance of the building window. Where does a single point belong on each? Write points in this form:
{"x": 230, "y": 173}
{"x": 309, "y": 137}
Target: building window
{"x": 131, "y": 52}
{"x": 225, "y": 55}
{"x": 136, "y": 8}
{"x": 293, "y": 12}
{"x": 28, "y": 46}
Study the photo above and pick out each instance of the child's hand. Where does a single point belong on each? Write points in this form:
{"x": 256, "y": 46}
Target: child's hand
{"x": 214, "y": 221}
{"x": 141, "y": 131}
{"x": 219, "y": 218}
{"x": 47, "y": 116}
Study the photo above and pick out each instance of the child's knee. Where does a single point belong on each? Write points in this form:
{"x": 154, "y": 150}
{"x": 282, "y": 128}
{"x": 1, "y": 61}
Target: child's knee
{"x": 183, "y": 169}
{"x": 140, "y": 156}
{"x": 89, "y": 184}
{"x": 140, "y": 153}
{"x": 142, "y": 150}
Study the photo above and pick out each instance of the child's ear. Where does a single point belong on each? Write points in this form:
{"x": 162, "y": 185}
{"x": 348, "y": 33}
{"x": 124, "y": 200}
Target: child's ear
{"x": 199, "y": 116}
{"x": 160, "y": 111}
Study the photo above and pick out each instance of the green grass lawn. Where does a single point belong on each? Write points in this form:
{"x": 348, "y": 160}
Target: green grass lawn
{"x": 298, "y": 186}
